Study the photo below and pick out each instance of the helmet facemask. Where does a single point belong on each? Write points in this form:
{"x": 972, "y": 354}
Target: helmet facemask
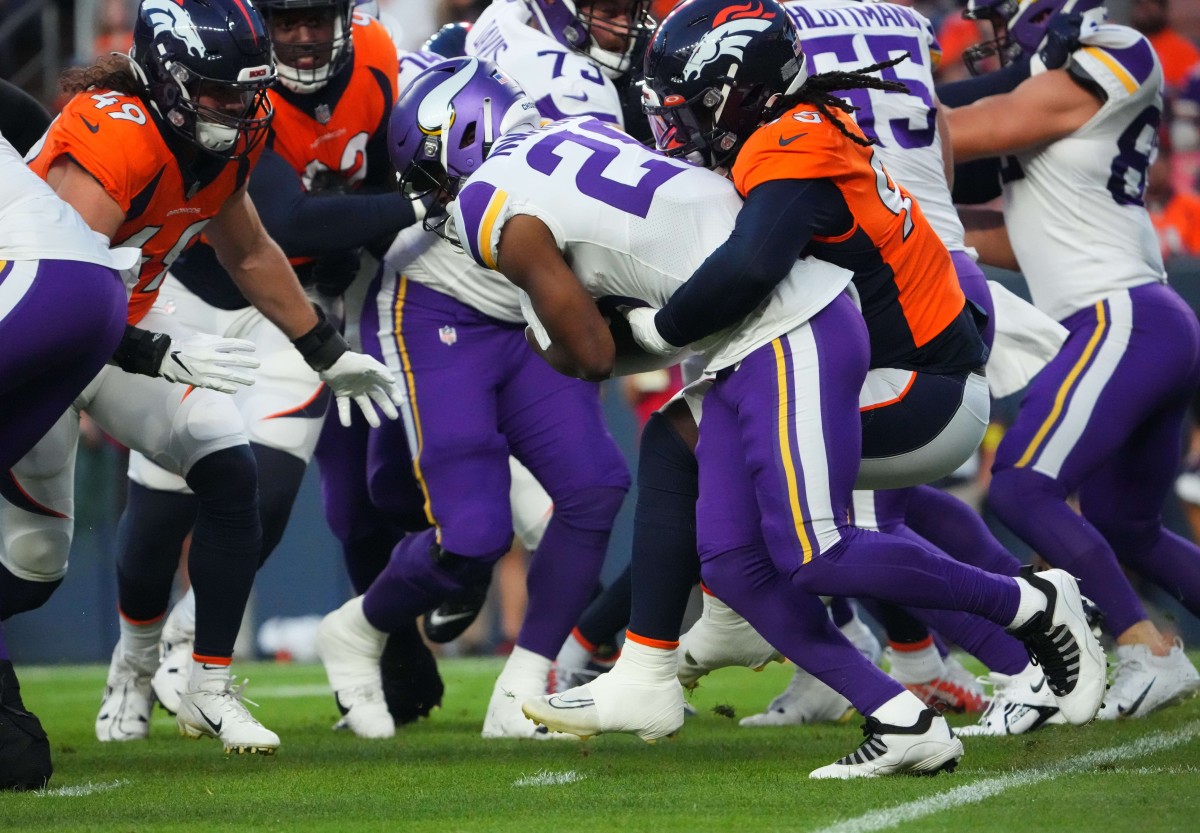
{"x": 582, "y": 28}
{"x": 305, "y": 66}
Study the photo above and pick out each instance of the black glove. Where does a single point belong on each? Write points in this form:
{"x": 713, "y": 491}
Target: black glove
{"x": 1062, "y": 38}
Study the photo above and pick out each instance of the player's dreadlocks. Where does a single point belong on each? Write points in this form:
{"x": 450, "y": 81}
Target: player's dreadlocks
{"x": 819, "y": 90}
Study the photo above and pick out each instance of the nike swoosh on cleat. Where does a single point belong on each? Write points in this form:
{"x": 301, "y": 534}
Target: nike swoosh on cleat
{"x": 1040, "y": 684}
{"x": 436, "y": 619}
{"x": 1136, "y": 703}
{"x": 785, "y": 142}
{"x": 95, "y": 128}
{"x": 557, "y": 702}
{"x": 216, "y": 727}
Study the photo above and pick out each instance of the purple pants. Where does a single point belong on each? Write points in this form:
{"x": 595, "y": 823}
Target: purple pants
{"x": 60, "y": 321}
{"x": 1104, "y": 419}
{"x": 478, "y": 393}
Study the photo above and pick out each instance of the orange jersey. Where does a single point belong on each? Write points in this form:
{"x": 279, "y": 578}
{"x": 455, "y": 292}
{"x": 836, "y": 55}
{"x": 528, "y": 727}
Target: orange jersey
{"x": 905, "y": 278}
{"x": 1178, "y": 225}
{"x": 329, "y": 130}
{"x": 113, "y": 138}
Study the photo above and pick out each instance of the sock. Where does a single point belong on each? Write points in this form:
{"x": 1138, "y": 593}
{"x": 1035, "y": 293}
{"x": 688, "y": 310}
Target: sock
{"x": 916, "y": 663}
{"x": 648, "y": 660}
{"x": 523, "y": 664}
{"x": 902, "y": 710}
{"x": 139, "y": 641}
{"x": 575, "y": 652}
{"x": 181, "y": 621}
{"x": 1033, "y": 602}
{"x": 608, "y": 613}
{"x": 209, "y": 673}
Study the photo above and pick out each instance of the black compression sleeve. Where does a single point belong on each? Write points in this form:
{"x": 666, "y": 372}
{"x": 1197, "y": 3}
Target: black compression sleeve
{"x": 307, "y": 225}
{"x": 970, "y": 90}
{"x": 22, "y": 119}
{"x": 775, "y": 224}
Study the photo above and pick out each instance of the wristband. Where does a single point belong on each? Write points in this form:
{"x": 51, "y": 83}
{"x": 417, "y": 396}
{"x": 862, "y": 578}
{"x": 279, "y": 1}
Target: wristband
{"x": 141, "y": 351}
{"x": 322, "y": 345}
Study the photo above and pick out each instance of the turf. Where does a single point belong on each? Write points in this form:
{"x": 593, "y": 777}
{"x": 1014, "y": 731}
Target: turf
{"x": 439, "y": 776}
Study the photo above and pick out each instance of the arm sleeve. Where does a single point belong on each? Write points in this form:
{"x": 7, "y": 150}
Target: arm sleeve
{"x": 970, "y": 90}
{"x": 776, "y": 223}
{"x": 307, "y": 225}
{"x": 22, "y": 119}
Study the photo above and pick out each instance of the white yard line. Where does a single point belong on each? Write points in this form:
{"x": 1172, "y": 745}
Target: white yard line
{"x": 80, "y": 790}
{"x": 980, "y": 790}
{"x": 546, "y": 778}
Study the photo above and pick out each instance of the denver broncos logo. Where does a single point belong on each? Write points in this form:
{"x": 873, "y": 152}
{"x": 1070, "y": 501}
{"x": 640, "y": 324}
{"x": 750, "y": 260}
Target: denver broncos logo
{"x": 166, "y": 16}
{"x": 732, "y": 30}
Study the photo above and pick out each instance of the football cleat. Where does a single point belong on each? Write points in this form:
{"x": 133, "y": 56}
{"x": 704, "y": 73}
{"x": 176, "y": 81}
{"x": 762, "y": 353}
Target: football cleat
{"x": 350, "y": 649}
{"x": 719, "y": 639}
{"x": 1020, "y": 703}
{"x": 1144, "y": 682}
{"x": 612, "y": 703}
{"x": 925, "y": 748}
{"x": 805, "y": 700}
{"x": 217, "y": 709}
{"x": 24, "y": 748}
{"x": 504, "y": 718}
{"x": 125, "y": 708}
{"x": 412, "y": 686}
{"x": 171, "y": 679}
{"x": 1060, "y": 640}
{"x": 955, "y": 689}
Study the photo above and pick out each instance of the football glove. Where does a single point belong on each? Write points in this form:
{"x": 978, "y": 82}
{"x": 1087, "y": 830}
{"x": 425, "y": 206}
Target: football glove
{"x": 362, "y": 380}
{"x": 209, "y": 361}
{"x": 645, "y": 332}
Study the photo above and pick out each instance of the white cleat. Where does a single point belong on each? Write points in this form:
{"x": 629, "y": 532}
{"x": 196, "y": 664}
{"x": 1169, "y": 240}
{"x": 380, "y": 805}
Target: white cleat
{"x": 1144, "y": 682}
{"x": 171, "y": 679}
{"x": 805, "y": 700}
{"x": 1020, "y": 703}
{"x": 218, "y": 710}
{"x": 350, "y": 648}
{"x": 720, "y": 639}
{"x": 613, "y": 702}
{"x": 925, "y": 748}
{"x": 504, "y": 718}
{"x": 1060, "y": 640}
{"x": 127, "y": 702}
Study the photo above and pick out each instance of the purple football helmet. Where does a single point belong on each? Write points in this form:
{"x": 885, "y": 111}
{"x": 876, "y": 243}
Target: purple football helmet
{"x": 446, "y": 121}
{"x": 1018, "y": 27}
{"x": 571, "y": 22}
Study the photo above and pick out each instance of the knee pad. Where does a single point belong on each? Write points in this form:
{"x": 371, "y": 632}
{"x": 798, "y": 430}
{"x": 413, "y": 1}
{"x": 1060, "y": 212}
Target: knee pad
{"x": 153, "y": 476}
{"x": 36, "y": 548}
{"x": 205, "y": 423}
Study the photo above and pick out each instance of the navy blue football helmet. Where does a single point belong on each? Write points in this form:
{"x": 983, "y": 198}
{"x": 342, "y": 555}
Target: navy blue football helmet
{"x": 715, "y": 71}
{"x": 333, "y": 55}
{"x": 206, "y": 66}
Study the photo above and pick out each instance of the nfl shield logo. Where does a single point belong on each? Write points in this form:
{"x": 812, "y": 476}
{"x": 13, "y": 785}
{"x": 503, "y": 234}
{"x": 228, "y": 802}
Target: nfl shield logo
{"x": 448, "y": 335}
{"x": 323, "y": 114}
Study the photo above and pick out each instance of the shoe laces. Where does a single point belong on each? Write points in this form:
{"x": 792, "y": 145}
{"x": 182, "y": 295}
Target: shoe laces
{"x": 1055, "y": 650}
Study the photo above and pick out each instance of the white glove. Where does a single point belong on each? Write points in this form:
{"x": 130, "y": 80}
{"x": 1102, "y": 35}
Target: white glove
{"x": 645, "y": 333}
{"x": 361, "y": 378}
{"x": 209, "y": 361}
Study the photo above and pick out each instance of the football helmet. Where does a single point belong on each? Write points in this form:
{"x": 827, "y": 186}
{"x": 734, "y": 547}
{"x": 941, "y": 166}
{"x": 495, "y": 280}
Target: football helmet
{"x": 1018, "y": 27}
{"x": 571, "y": 23}
{"x": 450, "y": 41}
{"x": 328, "y": 57}
{"x": 190, "y": 53}
{"x": 715, "y": 71}
{"x": 448, "y": 118}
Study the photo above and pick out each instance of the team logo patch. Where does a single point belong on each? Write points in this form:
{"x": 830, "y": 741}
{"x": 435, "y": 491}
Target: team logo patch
{"x": 732, "y": 30}
{"x": 323, "y": 113}
{"x": 166, "y": 16}
{"x": 448, "y": 335}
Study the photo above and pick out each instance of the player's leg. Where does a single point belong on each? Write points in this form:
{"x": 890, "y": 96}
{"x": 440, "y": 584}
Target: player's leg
{"x": 555, "y": 427}
{"x": 24, "y": 749}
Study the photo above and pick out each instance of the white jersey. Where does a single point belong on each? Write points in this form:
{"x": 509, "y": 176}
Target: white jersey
{"x": 848, "y": 35}
{"x": 35, "y": 224}
{"x": 1074, "y": 208}
{"x": 559, "y": 80}
{"x": 631, "y": 223}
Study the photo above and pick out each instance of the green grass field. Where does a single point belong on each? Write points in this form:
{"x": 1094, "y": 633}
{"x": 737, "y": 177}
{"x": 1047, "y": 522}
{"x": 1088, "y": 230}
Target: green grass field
{"x": 441, "y": 777}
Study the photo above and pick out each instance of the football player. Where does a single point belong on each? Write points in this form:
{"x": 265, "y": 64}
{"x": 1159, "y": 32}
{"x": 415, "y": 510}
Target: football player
{"x": 582, "y": 192}
{"x": 62, "y": 300}
{"x": 442, "y": 317}
{"x": 155, "y": 147}
{"x": 1103, "y": 420}
{"x": 324, "y": 189}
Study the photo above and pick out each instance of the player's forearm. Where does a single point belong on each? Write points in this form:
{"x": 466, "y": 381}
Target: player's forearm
{"x": 987, "y": 234}
{"x": 268, "y": 282}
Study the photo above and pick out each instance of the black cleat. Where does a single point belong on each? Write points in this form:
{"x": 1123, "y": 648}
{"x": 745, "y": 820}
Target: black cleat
{"x": 24, "y": 748}
{"x": 447, "y": 621}
{"x": 412, "y": 686}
